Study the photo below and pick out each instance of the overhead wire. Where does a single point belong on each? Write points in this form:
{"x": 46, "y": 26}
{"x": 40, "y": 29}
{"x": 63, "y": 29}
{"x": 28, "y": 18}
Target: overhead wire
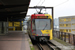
{"x": 42, "y": 2}
{"x": 38, "y": 2}
{"x": 61, "y": 3}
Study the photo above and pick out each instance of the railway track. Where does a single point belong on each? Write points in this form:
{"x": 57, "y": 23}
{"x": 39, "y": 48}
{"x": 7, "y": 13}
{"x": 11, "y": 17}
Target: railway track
{"x": 52, "y": 46}
{"x": 45, "y": 46}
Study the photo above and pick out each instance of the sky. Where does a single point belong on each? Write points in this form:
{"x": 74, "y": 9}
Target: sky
{"x": 61, "y": 7}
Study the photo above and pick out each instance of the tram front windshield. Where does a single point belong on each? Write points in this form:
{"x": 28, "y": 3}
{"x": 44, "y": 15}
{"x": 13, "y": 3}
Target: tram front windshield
{"x": 42, "y": 24}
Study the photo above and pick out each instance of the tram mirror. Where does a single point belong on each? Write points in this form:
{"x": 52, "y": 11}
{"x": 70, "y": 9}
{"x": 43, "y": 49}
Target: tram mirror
{"x": 50, "y": 20}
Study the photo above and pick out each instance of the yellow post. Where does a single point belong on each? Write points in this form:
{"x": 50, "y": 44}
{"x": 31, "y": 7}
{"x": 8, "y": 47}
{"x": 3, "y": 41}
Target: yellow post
{"x": 13, "y": 28}
{"x": 10, "y": 24}
{"x": 22, "y": 28}
{"x": 21, "y": 21}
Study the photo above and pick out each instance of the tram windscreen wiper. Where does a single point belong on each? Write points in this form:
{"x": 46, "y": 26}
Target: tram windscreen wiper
{"x": 45, "y": 26}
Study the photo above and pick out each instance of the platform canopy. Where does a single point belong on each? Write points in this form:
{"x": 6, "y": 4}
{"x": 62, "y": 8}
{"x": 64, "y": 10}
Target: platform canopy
{"x": 13, "y": 9}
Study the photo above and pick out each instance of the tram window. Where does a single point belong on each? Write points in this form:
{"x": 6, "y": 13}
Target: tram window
{"x": 33, "y": 24}
{"x": 29, "y": 25}
{"x": 51, "y": 24}
{"x": 42, "y": 24}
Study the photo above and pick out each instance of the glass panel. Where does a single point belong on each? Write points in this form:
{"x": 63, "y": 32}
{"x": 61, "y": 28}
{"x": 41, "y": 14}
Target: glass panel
{"x": 64, "y": 25}
{"x": 66, "y": 30}
{"x": 42, "y": 24}
{"x": 73, "y": 29}
{"x": 73, "y": 18}
{"x": 61, "y": 25}
{"x": 68, "y": 25}
{"x": 73, "y": 24}
{"x": 64, "y": 19}
{"x": 33, "y": 24}
{"x": 61, "y": 20}
{"x": 68, "y": 19}
{"x": 62, "y": 30}
{"x": 69, "y": 30}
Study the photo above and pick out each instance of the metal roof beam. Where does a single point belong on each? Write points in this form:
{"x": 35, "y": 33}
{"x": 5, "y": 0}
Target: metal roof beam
{"x": 12, "y": 12}
{"x": 40, "y": 7}
{"x": 12, "y": 6}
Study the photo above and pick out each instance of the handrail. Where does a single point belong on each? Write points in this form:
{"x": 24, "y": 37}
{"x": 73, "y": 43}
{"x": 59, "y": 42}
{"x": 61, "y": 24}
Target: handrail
{"x": 65, "y": 36}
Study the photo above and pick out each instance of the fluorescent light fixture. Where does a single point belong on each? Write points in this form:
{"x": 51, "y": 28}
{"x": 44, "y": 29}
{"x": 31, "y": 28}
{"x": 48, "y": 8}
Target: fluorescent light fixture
{"x": 23, "y": 12}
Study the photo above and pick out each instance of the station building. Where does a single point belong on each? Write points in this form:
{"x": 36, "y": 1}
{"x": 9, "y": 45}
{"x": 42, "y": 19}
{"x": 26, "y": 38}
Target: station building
{"x": 67, "y": 24}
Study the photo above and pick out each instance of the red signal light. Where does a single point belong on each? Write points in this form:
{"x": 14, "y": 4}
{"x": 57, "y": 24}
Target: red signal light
{"x": 42, "y": 35}
{"x": 48, "y": 34}
{"x": 37, "y": 35}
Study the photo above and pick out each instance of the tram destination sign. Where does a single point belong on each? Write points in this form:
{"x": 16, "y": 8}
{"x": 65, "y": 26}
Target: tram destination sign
{"x": 42, "y": 16}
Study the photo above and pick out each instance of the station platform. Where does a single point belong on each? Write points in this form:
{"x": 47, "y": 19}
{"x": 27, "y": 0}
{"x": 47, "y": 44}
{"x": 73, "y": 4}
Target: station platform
{"x": 15, "y": 40}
